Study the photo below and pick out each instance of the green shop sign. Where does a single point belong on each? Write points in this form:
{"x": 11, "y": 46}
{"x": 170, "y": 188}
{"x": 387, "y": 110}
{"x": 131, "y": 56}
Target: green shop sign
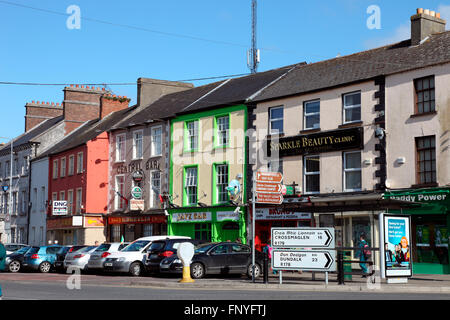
{"x": 433, "y": 200}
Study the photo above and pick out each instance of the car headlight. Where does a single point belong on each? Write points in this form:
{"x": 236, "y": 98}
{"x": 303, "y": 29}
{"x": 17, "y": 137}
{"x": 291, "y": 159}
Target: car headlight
{"x": 8, "y": 260}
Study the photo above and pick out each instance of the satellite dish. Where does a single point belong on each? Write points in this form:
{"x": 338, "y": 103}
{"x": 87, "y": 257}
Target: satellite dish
{"x": 185, "y": 252}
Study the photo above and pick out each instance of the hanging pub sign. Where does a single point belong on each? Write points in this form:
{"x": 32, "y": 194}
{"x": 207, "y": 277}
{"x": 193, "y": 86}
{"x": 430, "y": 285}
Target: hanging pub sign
{"x": 328, "y": 141}
{"x": 138, "y": 175}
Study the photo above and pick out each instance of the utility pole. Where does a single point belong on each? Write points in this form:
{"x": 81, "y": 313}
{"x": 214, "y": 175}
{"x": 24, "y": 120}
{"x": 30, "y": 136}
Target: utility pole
{"x": 253, "y": 57}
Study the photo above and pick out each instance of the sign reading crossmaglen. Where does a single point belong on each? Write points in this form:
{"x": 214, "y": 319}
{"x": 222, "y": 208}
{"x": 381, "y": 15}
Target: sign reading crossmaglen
{"x": 317, "y": 142}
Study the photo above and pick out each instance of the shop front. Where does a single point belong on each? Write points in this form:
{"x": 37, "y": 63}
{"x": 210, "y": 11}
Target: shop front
{"x": 136, "y": 226}
{"x": 430, "y": 225}
{"x": 212, "y": 224}
{"x": 76, "y": 230}
{"x": 269, "y": 217}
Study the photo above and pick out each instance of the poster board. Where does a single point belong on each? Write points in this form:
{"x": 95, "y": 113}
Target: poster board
{"x": 397, "y": 255}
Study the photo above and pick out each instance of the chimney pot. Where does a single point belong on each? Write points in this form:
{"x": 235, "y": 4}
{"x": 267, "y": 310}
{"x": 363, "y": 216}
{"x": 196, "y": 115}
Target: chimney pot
{"x": 438, "y": 15}
{"x": 77, "y": 86}
{"x": 433, "y": 13}
{"x": 426, "y": 11}
{"x": 37, "y": 102}
{"x": 57, "y": 104}
{"x": 32, "y": 101}
{"x": 420, "y": 10}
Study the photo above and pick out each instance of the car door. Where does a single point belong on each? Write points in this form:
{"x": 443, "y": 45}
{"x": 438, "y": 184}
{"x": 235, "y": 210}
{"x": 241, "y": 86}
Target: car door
{"x": 217, "y": 261}
{"x": 238, "y": 258}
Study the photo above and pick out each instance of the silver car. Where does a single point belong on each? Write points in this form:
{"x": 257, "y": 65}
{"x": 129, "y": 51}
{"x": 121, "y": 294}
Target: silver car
{"x": 98, "y": 257}
{"x": 79, "y": 259}
{"x": 13, "y": 247}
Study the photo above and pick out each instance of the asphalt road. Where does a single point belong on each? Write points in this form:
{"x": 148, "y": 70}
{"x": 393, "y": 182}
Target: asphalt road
{"x": 40, "y": 290}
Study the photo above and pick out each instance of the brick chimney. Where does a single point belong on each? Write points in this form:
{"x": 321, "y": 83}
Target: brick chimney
{"x": 425, "y": 23}
{"x": 37, "y": 112}
{"x": 150, "y": 90}
{"x": 112, "y": 103}
{"x": 81, "y": 104}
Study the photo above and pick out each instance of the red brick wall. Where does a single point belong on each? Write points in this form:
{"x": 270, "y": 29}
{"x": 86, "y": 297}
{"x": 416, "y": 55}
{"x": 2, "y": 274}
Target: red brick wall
{"x": 40, "y": 111}
{"x": 109, "y": 105}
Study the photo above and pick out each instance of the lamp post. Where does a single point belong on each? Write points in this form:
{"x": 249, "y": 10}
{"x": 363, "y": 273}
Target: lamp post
{"x": 8, "y": 218}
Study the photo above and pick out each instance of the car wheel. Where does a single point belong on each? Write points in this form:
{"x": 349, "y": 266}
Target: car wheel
{"x": 257, "y": 270}
{"x": 135, "y": 269}
{"x": 197, "y": 270}
{"x": 14, "y": 266}
{"x": 45, "y": 267}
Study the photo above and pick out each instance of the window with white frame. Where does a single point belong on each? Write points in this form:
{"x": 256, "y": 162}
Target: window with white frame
{"x": 15, "y": 202}
{"x": 62, "y": 195}
{"x": 311, "y": 173}
{"x": 311, "y": 112}
{"x": 7, "y": 168}
{"x": 71, "y": 164}
{"x": 223, "y": 128}
{"x": 156, "y": 141}
{"x": 25, "y": 165}
{"x": 190, "y": 186}
{"x": 54, "y": 196}
{"x": 80, "y": 162}
{"x": 155, "y": 188}
{"x": 79, "y": 201}
{"x": 63, "y": 167}
{"x": 119, "y": 203}
{"x": 69, "y": 201}
{"x": 276, "y": 117}
{"x": 352, "y": 171}
{"x": 120, "y": 147}
{"x": 23, "y": 202}
{"x": 352, "y": 107}
{"x": 16, "y": 166}
{"x": 221, "y": 183}
{"x": 55, "y": 169}
{"x": 137, "y": 144}
{"x": 192, "y": 135}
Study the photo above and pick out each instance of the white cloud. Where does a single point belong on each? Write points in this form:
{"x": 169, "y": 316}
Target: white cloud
{"x": 403, "y": 32}
{"x": 445, "y": 14}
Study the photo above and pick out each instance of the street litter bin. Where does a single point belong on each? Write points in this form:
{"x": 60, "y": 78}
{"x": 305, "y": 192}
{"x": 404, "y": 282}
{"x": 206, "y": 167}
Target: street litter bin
{"x": 347, "y": 266}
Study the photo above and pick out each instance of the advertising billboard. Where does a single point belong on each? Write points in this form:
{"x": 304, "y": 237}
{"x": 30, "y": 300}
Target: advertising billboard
{"x": 397, "y": 246}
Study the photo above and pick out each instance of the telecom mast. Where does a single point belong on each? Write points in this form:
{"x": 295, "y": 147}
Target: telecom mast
{"x": 253, "y": 53}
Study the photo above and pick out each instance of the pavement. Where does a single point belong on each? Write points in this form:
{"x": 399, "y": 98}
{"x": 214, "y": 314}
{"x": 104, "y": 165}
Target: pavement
{"x": 294, "y": 281}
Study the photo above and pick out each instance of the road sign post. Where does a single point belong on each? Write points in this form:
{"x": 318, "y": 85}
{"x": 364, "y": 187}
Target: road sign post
{"x": 303, "y": 238}
{"x": 306, "y": 260}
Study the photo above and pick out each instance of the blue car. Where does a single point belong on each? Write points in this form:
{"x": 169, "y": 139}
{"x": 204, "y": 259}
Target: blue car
{"x": 41, "y": 259}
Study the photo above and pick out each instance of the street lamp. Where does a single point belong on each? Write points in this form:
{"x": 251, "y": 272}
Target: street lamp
{"x": 8, "y": 219}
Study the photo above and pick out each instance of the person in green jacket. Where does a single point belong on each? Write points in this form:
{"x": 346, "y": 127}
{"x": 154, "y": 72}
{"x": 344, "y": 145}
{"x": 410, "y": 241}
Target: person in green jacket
{"x": 2, "y": 261}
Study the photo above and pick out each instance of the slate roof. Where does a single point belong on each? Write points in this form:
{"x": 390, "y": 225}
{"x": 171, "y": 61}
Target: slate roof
{"x": 88, "y": 131}
{"x": 365, "y": 65}
{"x": 27, "y": 137}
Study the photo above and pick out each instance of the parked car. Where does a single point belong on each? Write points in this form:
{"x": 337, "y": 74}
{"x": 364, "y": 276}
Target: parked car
{"x": 12, "y": 247}
{"x": 98, "y": 257}
{"x": 14, "y": 261}
{"x": 61, "y": 255}
{"x": 41, "y": 259}
{"x": 131, "y": 259}
{"x": 79, "y": 258}
{"x": 162, "y": 249}
{"x": 217, "y": 258}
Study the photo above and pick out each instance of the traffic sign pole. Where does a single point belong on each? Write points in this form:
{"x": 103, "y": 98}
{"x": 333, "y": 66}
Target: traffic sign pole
{"x": 253, "y": 226}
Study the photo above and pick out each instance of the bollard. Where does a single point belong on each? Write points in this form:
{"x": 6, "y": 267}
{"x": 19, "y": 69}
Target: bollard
{"x": 340, "y": 258}
{"x": 266, "y": 267}
{"x": 186, "y": 275}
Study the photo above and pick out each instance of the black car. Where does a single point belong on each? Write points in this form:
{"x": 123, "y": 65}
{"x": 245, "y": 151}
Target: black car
{"x": 61, "y": 255}
{"x": 14, "y": 260}
{"x": 217, "y": 258}
{"x": 162, "y": 249}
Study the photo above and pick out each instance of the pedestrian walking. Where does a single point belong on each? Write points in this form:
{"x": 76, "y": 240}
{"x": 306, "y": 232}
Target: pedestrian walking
{"x": 2, "y": 262}
{"x": 362, "y": 255}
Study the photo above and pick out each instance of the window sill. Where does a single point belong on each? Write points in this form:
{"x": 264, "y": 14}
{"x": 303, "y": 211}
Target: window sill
{"x": 425, "y": 185}
{"x": 279, "y": 135}
{"x": 350, "y": 125}
{"x": 312, "y": 130}
{"x": 423, "y": 114}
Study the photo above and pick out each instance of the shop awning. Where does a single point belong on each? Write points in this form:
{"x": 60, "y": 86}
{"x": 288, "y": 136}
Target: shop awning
{"x": 348, "y": 202}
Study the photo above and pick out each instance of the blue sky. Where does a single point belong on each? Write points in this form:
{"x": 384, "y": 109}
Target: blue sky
{"x": 36, "y": 45}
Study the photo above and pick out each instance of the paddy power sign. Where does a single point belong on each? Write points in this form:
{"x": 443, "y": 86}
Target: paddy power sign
{"x": 435, "y": 200}
{"x": 317, "y": 142}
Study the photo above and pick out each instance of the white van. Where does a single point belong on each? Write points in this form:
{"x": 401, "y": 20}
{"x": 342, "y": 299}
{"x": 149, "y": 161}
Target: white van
{"x": 131, "y": 259}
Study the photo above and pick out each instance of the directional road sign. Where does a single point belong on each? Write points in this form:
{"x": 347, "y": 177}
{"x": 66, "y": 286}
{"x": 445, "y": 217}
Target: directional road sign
{"x": 307, "y": 260}
{"x": 272, "y": 198}
{"x": 274, "y": 177}
{"x": 266, "y": 187}
{"x": 303, "y": 238}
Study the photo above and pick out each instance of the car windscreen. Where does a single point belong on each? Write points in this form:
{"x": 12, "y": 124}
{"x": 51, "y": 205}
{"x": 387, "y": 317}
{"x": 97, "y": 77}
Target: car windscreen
{"x": 63, "y": 250}
{"x": 136, "y": 246}
{"x": 103, "y": 247}
{"x": 157, "y": 246}
{"x": 11, "y": 247}
{"x": 204, "y": 247}
{"x": 23, "y": 250}
{"x": 33, "y": 250}
{"x": 86, "y": 249}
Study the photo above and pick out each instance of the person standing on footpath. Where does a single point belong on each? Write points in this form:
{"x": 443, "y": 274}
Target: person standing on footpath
{"x": 2, "y": 262}
{"x": 362, "y": 256}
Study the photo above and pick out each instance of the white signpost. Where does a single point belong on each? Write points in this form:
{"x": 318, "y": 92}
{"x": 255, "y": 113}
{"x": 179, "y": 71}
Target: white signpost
{"x": 303, "y": 238}
{"x": 306, "y": 260}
